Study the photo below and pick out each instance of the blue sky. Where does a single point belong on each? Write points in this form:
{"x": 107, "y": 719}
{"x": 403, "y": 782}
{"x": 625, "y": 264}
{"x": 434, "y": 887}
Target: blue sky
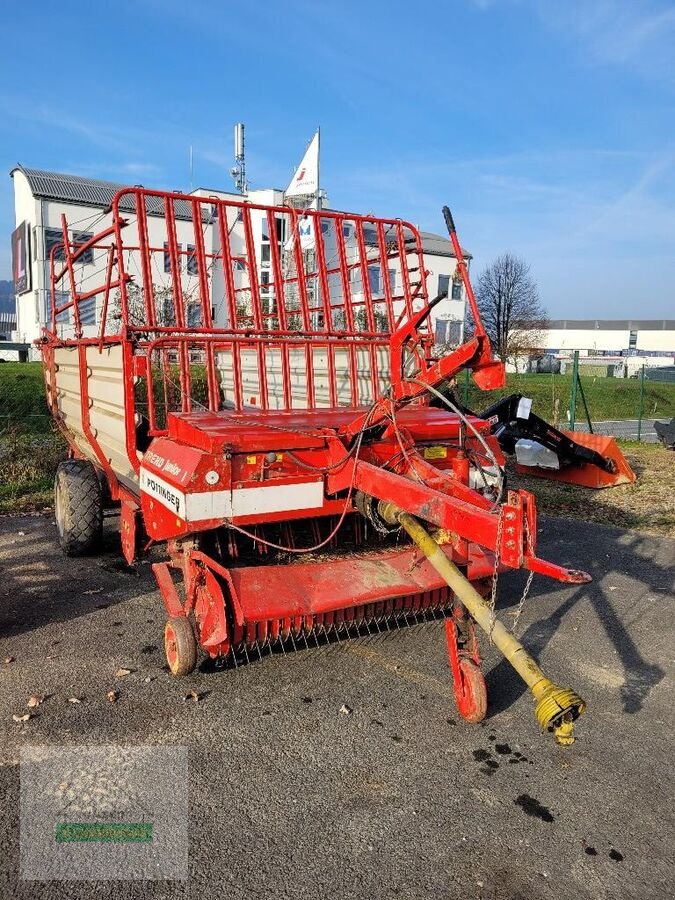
{"x": 546, "y": 126}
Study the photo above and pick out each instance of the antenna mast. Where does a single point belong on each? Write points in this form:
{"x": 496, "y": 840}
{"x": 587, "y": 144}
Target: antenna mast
{"x": 238, "y": 171}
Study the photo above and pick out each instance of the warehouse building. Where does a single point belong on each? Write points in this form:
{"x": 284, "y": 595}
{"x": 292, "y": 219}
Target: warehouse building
{"x": 610, "y": 337}
{"x": 615, "y": 346}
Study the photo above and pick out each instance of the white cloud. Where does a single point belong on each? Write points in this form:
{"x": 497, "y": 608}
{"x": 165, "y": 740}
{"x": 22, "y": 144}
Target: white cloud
{"x": 572, "y": 214}
{"x": 639, "y": 34}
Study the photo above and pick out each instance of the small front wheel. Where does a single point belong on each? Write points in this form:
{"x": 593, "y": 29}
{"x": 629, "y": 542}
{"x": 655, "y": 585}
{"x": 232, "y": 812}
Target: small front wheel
{"x": 180, "y": 645}
{"x": 471, "y": 693}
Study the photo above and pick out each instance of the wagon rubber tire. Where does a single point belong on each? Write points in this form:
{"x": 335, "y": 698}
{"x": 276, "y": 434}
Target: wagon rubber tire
{"x": 180, "y": 645}
{"x": 471, "y": 696}
{"x": 78, "y": 507}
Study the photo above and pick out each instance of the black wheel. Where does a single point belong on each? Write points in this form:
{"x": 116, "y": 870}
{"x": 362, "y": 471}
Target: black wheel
{"x": 180, "y": 645}
{"x": 78, "y": 503}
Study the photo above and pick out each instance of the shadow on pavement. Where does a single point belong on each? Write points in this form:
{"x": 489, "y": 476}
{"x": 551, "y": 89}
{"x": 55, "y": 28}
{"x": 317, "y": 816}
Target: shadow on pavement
{"x": 39, "y": 585}
{"x": 628, "y": 555}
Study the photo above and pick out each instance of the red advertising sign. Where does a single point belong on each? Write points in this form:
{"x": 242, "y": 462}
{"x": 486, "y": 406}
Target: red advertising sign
{"x": 21, "y": 259}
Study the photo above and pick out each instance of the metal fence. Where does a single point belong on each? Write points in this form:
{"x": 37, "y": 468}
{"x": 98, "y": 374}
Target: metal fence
{"x": 583, "y": 400}
{"x": 30, "y": 445}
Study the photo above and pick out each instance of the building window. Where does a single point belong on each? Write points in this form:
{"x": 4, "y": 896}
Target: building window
{"x": 192, "y": 268}
{"x": 60, "y": 298}
{"x": 374, "y": 279}
{"x": 456, "y": 290}
{"x": 87, "y": 310}
{"x": 280, "y": 224}
{"x": 265, "y": 282}
{"x": 443, "y": 284}
{"x": 167, "y": 258}
{"x": 81, "y": 237}
{"x": 632, "y": 340}
{"x": 54, "y": 236}
{"x": 265, "y": 254}
{"x": 194, "y": 315}
{"x": 454, "y": 334}
{"x": 392, "y": 280}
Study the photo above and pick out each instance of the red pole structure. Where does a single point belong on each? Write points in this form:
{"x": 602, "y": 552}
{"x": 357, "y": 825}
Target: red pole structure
{"x": 384, "y": 262}
{"x": 252, "y": 269}
{"x": 365, "y": 276}
{"x": 300, "y": 268}
{"x": 463, "y": 271}
{"x": 344, "y": 274}
{"x": 405, "y": 275}
{"x": 205, "y": 301}
{"x": 53, "y": 280}
{"x": 71, "y": 277}
{"x": 106, "y": 297}
{"x": 319, "y": 249}
{"x": 226, "y": 256}
{"x": 279, "y": 286}
{"x": 144, "y": 247}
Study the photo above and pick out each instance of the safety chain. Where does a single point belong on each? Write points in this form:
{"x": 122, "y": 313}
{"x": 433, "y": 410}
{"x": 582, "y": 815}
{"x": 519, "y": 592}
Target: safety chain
{"x": 495, "y": 572}
{"x": 526, "y": 591}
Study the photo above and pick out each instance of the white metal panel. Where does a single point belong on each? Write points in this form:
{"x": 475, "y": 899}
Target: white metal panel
{"x": 297, "y": 362}
{"x": 277, "y": 498}
{"x": 344, "y": 390}
{"x": 275, "y": 380}
{"x": 105, "y": 383}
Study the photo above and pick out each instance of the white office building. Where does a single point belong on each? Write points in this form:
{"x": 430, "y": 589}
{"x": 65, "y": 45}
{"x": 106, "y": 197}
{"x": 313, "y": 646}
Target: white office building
{"x": 42, "y": 199}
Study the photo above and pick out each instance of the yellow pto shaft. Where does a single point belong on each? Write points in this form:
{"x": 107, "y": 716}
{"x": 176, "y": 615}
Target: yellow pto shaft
{"x": 556, "y": 707}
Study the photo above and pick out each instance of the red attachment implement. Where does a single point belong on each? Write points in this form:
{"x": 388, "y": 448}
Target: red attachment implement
{"x": 586, "y": 475}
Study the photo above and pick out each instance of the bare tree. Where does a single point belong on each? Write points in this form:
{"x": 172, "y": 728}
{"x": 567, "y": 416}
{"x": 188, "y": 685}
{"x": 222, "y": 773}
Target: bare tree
{"x": 509, "y": 304}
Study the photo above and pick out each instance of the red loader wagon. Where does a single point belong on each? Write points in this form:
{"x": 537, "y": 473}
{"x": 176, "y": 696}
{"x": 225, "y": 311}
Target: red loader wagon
{"x": 270, "y": 423}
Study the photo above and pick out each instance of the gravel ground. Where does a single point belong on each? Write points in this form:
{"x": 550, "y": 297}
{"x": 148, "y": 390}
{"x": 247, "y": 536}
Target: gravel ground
{"x": 346, "y": 772}
{"x": 647, "y": 505}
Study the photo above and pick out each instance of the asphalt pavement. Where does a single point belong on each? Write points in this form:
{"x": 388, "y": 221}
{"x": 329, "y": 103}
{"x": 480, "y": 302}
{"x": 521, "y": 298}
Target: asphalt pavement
{"x": 626, "y": 429}
{"x": 346, "y": 772}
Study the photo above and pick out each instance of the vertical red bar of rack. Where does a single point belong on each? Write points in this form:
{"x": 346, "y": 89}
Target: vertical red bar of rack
{"x": 254, "y": 286}
{"x": 71, "y": 277}
{"x": 144, "y": 249}
{"x": 365, "y": 276}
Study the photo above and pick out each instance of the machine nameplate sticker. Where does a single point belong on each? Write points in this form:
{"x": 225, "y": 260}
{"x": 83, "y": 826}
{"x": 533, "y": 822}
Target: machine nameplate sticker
{"x": 167, "y": 495}
{"x": 435, "y": 452}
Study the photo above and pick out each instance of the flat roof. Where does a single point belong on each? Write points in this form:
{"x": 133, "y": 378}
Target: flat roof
{"x": 612, "y": 324}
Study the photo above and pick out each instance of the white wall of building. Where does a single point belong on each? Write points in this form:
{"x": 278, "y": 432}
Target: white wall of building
{"x": 585, "y": 340}
{"x": 656, "y": 341}
{"x": 592, "y": 341}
